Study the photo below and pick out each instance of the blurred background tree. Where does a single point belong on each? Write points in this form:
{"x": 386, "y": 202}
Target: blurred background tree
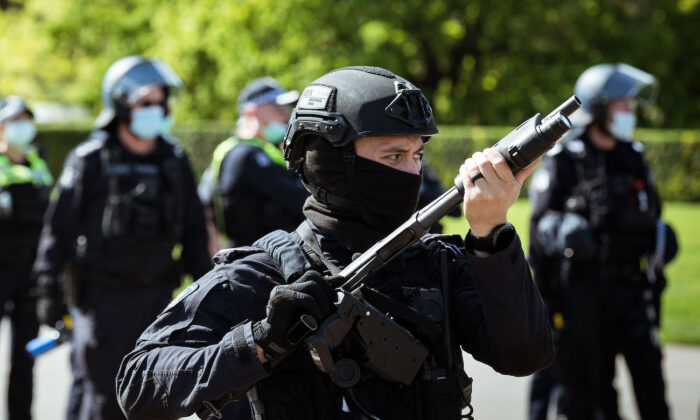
{"x": 481, "y": 62}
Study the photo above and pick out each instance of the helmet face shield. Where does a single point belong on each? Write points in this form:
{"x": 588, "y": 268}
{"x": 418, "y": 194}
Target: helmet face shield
{"x": 628, "y": 82}
{"x": 602, "y": 84}
{"x": 130, "y": 87}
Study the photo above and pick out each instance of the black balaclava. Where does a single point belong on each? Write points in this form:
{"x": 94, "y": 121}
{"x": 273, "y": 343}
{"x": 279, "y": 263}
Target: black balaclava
{"x": 377, "y": 198}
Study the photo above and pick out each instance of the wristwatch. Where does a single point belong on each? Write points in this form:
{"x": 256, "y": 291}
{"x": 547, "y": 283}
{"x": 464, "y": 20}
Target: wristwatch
{"x": 498, "y": 240}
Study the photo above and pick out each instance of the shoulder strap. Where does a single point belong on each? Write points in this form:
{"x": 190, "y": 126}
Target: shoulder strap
{"x": 290, "y": 258}
{"x": 229, "y": 255}
{"x": 309, "y": 240}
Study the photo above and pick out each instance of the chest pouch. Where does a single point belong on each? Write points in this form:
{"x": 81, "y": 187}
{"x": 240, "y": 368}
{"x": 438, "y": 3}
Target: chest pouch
{"x": 134, "y": 207}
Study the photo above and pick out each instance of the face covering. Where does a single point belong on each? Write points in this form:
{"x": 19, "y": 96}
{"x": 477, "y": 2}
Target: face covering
{"x": 274, "y": 132}
{"x": 148, "y": 122}
{"x": 388, "y": 196}
{"x": 20, "y": 133}
{"x": 623, "y": 124}
{"x": 377, "y": 196}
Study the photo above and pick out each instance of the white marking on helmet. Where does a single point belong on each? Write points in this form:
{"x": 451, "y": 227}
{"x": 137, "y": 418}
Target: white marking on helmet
{"x": 314, "y": 97}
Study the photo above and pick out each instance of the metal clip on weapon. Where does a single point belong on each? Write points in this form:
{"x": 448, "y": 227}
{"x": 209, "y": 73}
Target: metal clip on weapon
{"x": 391, "y": 350}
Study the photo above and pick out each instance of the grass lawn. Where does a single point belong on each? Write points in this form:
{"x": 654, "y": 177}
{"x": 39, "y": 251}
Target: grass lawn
{"x": 681, "y": 300}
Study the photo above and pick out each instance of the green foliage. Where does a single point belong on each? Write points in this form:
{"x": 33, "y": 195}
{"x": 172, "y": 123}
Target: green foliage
{"x": 673, "y": 156}
{"x": 680, "y": 312}
{"x": 480, "y": 62}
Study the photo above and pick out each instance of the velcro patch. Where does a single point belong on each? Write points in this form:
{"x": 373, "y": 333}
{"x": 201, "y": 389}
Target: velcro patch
{"x": 314, "y": 97}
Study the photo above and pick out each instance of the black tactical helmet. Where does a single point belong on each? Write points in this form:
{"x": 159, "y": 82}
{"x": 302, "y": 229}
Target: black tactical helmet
{"x": 354, "y": 102}
{"x": 604, "y": 83}
{"x": 125, "y": 82}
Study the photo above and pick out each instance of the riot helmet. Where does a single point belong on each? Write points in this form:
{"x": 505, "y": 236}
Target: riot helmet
{"x": 601, "y": 84}
{"x": 127, "y": 80}
{"x": 342, "y": 106}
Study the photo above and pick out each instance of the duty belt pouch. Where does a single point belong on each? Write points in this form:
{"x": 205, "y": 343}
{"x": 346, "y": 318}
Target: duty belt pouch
{"x": 440, "y": 392}
{"x": 73, "y": 282}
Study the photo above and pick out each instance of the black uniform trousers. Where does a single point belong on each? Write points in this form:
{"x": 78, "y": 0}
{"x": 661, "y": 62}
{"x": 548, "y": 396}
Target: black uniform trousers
{"x": 605, "y": 317}
{"x": 542, "y": 388}
{"x": 107, "y": 324}
{"x": 20, "y": 307}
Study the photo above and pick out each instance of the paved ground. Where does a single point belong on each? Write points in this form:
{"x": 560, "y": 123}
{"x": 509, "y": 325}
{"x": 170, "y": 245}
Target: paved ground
{"x": 496, "y": 397}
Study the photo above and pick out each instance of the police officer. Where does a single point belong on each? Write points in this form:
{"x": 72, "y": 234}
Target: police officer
{"x": 123, "y": 209}
{"x": 25, "y": 183}
{"x": 356, "y": 136}
{"x": 430, "y": 189}
{"x": 598, "y": 249}
{"x": 247, "y": 184}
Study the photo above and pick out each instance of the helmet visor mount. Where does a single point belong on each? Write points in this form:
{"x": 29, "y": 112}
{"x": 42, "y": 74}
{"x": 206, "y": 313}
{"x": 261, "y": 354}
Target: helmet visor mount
{"x": 410, "y": 107}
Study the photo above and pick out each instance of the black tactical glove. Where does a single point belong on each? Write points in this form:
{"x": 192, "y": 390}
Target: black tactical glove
{"x": 50, "y": 307}
{"x": 310, "y": 295}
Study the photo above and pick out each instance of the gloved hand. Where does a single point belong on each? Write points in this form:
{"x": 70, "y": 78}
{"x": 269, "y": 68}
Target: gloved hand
{"x": 50, "y": 307}
{"x": 311, "y": 294}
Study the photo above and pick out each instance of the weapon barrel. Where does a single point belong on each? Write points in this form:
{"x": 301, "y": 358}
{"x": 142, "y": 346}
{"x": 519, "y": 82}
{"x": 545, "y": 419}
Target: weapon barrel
{"x": 567, "y": 108}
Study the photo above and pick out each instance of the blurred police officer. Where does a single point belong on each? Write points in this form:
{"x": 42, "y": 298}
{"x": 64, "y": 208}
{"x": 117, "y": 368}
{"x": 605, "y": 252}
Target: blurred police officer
{"x": 25, "y": 183}
{"x": 247, "y": 184}
{"x": 356, "y": 137}
{"x": 123, "y": 208}
{"x": 598, "y": 249}
{"x": 430, "y": 189}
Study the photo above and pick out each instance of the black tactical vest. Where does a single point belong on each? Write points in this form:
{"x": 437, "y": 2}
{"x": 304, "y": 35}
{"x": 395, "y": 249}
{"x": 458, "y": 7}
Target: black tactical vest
{"x": 145, "y": 200}
{"x": 298, "y": 390}
{"x": 620, "y": 204}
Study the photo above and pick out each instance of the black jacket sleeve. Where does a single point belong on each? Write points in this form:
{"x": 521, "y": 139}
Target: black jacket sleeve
{"x": 195, "y": 253}
{"x": 498, "y": 313}
{"x": 201, "y": 347}
{"x": 61, "y": 221}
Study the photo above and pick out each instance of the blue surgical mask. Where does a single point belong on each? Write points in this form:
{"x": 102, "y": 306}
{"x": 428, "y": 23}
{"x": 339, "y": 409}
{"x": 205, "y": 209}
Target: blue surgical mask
{"x": 147, "y": 123}
{"x": 623, "y": 124}
{"x": 20, "y": 133}
{"x": 274, "y": 132}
